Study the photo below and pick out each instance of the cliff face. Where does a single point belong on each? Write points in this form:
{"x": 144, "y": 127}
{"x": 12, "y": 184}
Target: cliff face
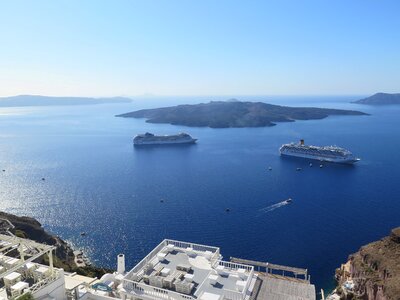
{"x": 30, "y": 228}
{"x": 27, "y": 227}
{"x": 375, "y": 269}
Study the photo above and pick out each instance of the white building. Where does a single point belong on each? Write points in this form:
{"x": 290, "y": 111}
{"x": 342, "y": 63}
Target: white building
{"x": 172, "y": 271}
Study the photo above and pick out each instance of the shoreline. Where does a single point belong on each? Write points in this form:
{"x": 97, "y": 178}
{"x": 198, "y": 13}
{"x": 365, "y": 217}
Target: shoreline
{"x": 66, "y": 256}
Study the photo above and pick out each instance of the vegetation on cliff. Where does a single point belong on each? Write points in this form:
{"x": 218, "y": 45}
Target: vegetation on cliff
{"x": 224, "y": 114}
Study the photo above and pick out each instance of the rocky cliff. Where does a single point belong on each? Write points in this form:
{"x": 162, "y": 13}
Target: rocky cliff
{"x": 374, "y": 270}
{"x": 30, "y": 228}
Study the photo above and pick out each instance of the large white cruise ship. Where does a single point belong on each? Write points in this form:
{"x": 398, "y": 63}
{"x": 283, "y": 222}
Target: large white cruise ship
{"x": 325, "y": 153}
{"x": 151, "y": 139}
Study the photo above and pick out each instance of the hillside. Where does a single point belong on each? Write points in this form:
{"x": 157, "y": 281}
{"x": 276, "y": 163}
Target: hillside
{"x": 30, "y": 228}
{"x": 224, "y": 114}
{"x": 375, "y": 270}
{"x": 36, "y": 100}
{"x": 380, "y": 99}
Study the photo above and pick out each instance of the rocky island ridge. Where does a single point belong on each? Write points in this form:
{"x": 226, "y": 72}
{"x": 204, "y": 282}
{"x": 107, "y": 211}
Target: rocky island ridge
{"x": 233, "y": 114}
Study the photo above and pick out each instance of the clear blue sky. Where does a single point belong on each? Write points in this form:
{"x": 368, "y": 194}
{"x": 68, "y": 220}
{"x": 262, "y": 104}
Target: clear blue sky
{"x": 105, "y": 48}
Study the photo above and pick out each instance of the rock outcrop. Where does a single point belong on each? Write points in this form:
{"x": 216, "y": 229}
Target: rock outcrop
{"x": 374, "y": 270}
{"x": 30, "y": 228}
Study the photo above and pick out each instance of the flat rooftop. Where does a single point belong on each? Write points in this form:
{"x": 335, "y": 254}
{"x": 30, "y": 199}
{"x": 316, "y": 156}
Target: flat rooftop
{"x": 193, "y": 270}
{"x": 275, "y": 287}
{"x": 19, "y": 271}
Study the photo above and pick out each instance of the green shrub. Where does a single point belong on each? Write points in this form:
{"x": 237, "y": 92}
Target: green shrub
{"x": 21, "y": 234}
{"x": 27, "y": 296}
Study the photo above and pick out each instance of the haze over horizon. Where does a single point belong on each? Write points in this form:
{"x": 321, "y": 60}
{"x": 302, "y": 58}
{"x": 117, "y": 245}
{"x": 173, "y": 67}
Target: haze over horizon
{"x": 167, "y": 48}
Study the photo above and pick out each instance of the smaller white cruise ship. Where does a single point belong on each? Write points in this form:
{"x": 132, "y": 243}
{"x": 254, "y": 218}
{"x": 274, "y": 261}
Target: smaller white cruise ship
{"x": 325, "y": 153}
{"x": 151, "y": 139}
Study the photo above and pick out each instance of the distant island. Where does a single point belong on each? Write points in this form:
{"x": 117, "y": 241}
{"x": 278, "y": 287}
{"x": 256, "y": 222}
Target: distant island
{"x": 37, "y": 100}
{"x": 233, "y": 113}
{"x": 380, "y": 99}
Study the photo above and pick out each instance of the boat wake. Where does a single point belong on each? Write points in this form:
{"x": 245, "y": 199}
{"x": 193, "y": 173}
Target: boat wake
{"x": 275, "y": 206}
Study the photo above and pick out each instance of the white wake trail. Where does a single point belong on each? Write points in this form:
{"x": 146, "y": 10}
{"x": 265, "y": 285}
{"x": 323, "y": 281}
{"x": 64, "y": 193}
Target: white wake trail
{"x": 274, "y": 206}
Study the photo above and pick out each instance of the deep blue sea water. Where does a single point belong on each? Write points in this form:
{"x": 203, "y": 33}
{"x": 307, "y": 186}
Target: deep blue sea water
{"x": 96, "y": 182}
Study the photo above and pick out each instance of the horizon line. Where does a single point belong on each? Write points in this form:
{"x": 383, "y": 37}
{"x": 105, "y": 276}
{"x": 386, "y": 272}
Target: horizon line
{"x": 191, "y": 95}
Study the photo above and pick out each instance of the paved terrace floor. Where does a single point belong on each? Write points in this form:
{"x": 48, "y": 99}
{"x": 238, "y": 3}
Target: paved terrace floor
{"x": 201, "y": 269}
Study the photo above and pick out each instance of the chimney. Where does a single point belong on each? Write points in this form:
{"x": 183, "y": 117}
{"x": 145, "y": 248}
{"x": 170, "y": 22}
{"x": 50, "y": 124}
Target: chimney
{"x": 121, "y": 264}
{"x": 302, "y": 142}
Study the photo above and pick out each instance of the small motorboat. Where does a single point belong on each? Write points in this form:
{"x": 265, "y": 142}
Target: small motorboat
{"x": 270, "y": 168}
{"x": 298, "y": 169}
{"x": 287, "y": 201}
{"x": 227, "y": 209}
{"x": 310, "y": 164}
{"x": 83, "y": 233}
{"x": 321, "y": 166}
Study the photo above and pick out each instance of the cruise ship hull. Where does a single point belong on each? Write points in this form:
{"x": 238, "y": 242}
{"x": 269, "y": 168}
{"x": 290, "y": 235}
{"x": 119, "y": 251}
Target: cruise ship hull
{"x": 176, "y": 142}
{"x": 151, "y": 139}
{"x": 344, "y": 160}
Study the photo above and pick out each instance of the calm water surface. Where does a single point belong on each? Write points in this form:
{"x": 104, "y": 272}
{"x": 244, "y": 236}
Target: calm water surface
{"x": 98, "y": 183}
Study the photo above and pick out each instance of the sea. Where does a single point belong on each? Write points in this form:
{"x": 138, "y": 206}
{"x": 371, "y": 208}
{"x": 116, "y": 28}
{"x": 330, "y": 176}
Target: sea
{"x": 127, "y": 200}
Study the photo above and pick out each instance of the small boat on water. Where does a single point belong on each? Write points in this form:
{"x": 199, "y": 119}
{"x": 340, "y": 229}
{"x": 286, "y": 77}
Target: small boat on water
{"x": 288, "y": 201}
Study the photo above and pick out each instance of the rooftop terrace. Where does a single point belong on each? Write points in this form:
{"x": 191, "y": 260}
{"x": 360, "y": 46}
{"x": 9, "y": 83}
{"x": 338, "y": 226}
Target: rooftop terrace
{"x": 18, "y": 271}
{"x": 171, "y": 271}
{"x": 189, "y": 271}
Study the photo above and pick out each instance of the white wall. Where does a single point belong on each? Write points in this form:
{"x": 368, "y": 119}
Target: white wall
{"x": 55, "y": 289}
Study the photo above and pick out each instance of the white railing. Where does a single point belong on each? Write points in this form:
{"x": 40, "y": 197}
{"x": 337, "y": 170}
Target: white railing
{"x": 138, "y": 289}
{"x": 183, "y": 245}
{"x": 249, "y": 279}
{"x": 196, "y": 247}
{"x": 233, "y": 266}
{"x": 133, "y": 286}
{"x": 42, "y": 283}
{"x": 233, "y": 295}
{"x": 148, "y": 258}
